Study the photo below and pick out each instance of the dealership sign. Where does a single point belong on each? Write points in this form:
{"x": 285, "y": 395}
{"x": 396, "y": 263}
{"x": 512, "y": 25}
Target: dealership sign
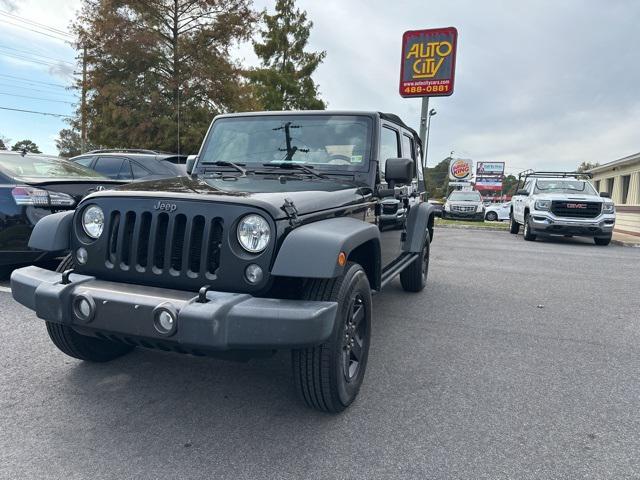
{"x": 489, "y": 168}
{"x": 460, "y": 170}
{"x": 428, "y": 62}
{"x": 489, "y": 183}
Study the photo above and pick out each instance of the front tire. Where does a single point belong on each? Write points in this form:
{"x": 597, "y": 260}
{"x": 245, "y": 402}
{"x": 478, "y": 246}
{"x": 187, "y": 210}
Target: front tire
{"x": 528, "y": 233}
{"x": 603, "y": 241}
{"x": 414, "y": 277}
{"x": 491, "y": 217}
{"x": 514, "y": 227}
{"x": 79, "y": 346}
{"x": 328, "y": 377}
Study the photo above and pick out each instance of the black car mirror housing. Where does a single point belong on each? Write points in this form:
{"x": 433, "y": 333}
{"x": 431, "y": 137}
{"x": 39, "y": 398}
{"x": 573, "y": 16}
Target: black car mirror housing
{"x": 398, "y": 171}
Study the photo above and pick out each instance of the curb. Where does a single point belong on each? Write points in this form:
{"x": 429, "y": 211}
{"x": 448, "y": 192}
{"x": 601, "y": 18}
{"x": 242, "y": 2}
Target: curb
{"x": 622, "y": 243}
{"x": 471, "y": 227}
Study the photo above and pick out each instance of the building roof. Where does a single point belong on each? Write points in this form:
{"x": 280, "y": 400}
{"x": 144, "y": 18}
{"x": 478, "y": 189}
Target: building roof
{"x": 617, "y": 163}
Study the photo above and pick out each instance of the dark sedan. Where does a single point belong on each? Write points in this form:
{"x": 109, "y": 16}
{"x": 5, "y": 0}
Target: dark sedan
{"x": 31, "y": 187}
{"x": 131, "y": 165}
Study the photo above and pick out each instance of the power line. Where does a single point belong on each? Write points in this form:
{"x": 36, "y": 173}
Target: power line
{"x": 35, "y": 24}
{"x": 36, "y": 31}
{"x": 6, "y": 47}
{"x": 35, "y": 98}
{"x": 28, "y": 80}
{"x": 35, "y": 89}
{"x": 32, "y": 60}
{"x": 33, "y": 111}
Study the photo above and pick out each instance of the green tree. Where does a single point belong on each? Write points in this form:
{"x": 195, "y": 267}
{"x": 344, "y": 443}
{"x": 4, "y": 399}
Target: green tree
{"x": 160, "y": 70}
{"x": 284, "y": 82}
{"x": 27, "y": 145}
{"x": 437, "y": 179}
{"x": 509, "y": 183}
{"x": 585, "y": 166}
{"x": 4, "y": 143}
{"x": 69, "y": 143}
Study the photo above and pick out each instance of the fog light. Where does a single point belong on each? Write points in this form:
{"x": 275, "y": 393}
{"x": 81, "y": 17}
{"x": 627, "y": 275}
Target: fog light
{"x": 165, "y": 321}
{"x": 253, "y": 273}
{"x": 84, "y": 308}
{"x": 82, "y": 255}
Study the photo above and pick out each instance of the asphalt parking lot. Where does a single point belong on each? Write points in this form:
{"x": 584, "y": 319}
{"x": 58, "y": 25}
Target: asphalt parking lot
{"x": 520, "y": 360}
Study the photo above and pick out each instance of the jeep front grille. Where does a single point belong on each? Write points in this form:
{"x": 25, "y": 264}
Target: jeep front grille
{"x": 161, "y": 243}
{"x": 575, "y": 208}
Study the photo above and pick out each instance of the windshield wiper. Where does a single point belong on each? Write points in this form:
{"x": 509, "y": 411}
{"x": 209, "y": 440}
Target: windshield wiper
{"x": 223, "y": 163}
{"x": 295, "y": 166}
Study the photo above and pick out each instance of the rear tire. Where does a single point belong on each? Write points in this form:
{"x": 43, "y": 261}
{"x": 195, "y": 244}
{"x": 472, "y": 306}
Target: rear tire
{"x": 528, "y": 234}
{"x": 514, "y": 227}
{"x": 603, "y": 241}
{"x": 414, "y": 277}
{"x": 328, "y": 377}
{"x": 79, "y": 346}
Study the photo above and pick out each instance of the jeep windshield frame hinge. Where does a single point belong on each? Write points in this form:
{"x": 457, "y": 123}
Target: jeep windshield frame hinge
{"x": 292, "y": 212}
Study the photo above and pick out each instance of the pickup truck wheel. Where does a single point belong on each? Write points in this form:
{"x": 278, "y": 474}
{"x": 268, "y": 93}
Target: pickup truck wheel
{"x": 414, "y": 277}
{"x": 514, "y": 227}
{"x": 602, "y": 240}
{"x": 528, "y": 234}
{"x": 80, "y": 346}
{"x": 328, "y": 377}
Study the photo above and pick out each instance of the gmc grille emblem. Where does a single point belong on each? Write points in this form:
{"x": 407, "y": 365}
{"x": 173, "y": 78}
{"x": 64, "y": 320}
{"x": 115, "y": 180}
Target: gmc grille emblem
{"x": 167, "y": 207}
{"x": 576, "y": 205}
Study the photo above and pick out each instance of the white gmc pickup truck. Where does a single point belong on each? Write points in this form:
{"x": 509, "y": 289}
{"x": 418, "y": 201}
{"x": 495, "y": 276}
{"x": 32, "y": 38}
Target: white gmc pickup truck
{"x": 561, "y": 203}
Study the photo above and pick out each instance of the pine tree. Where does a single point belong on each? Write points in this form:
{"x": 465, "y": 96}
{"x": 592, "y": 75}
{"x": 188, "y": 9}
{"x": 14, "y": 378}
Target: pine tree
{"x": 161, "y": 70}
{"x": 26, "y": 145}
{"x": 284, "y": 82}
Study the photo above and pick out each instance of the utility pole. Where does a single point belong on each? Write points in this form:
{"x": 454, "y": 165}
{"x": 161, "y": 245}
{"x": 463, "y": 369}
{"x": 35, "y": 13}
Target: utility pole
{"x": 83, "y": 106}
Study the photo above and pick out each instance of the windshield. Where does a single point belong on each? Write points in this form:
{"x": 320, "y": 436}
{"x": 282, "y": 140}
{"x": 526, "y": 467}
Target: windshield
{"x": 564, "y": 186}
{"x": 44, "y": 167}
{"x": 465, "y": 196}
{"x": 324, "y": 142}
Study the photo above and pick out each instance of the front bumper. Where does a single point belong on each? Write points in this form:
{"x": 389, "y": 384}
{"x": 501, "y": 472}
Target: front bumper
{"x": 546, "y": 222}
{"x": 454, "y": 214}
{"x": 226, "y": 321}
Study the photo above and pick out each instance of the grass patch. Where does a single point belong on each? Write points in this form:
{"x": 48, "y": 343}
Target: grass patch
{"x": 440, "y": 222}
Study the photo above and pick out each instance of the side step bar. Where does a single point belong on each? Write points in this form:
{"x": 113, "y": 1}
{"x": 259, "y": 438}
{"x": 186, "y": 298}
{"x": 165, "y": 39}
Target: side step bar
{"x": 397, "y": 267}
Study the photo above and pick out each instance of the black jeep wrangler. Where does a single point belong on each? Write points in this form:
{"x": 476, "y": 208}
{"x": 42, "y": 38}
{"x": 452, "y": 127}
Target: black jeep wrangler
{"x": 271, "y": 242}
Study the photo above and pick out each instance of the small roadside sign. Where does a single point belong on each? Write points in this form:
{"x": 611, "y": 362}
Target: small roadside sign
{"x": 428, "y": 62}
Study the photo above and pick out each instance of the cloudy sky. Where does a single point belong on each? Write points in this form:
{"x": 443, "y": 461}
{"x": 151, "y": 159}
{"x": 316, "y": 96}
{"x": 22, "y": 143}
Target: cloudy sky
{"x": 545, "y": 85}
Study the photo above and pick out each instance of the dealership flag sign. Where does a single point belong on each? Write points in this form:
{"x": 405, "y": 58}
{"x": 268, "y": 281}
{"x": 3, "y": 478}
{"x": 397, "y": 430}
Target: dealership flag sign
{"x": 428, "y": 62}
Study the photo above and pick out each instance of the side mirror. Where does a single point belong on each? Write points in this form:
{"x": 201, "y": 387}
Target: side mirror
{"x": 605, "y": 194}
{"x": 398, "y": 171}
{"x": 191, "y": 161}
{"x": 522, "y": 192}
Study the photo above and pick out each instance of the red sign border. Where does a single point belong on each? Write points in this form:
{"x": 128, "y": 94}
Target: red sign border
{"x": 405, "y": 36}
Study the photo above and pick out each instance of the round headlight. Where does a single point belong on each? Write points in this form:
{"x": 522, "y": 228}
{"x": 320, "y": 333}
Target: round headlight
{"x": 254, "y": 233}
{"x": 93, "y": 221}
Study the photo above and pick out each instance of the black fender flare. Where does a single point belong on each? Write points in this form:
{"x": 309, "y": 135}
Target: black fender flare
{"x": 311, "y": 250}
{"x": 419, "y": 224}
{"x": 53, "y": 232}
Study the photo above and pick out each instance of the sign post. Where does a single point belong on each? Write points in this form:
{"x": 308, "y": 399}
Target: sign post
{"x": 428, "y": 69}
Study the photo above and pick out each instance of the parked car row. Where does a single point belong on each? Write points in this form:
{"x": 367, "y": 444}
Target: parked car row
{"x": 33, "y": 186}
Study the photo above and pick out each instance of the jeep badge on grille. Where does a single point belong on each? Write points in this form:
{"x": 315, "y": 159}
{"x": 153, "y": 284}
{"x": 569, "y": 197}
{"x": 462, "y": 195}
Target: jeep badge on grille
{"x": 167, "y": 207}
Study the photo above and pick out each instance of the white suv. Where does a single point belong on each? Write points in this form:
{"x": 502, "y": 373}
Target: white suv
{"x": 558, "y": 203}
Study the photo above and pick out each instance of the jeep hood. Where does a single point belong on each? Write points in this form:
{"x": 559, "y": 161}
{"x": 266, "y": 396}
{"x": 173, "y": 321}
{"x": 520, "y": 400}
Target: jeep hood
{"x": 265, "y": 192}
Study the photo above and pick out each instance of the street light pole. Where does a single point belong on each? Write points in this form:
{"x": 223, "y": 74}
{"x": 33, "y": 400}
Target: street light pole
{"x": 431, "y": 113}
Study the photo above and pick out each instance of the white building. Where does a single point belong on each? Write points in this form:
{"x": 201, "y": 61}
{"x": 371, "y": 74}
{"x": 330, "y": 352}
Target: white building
{"x": 621, "y": 179}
